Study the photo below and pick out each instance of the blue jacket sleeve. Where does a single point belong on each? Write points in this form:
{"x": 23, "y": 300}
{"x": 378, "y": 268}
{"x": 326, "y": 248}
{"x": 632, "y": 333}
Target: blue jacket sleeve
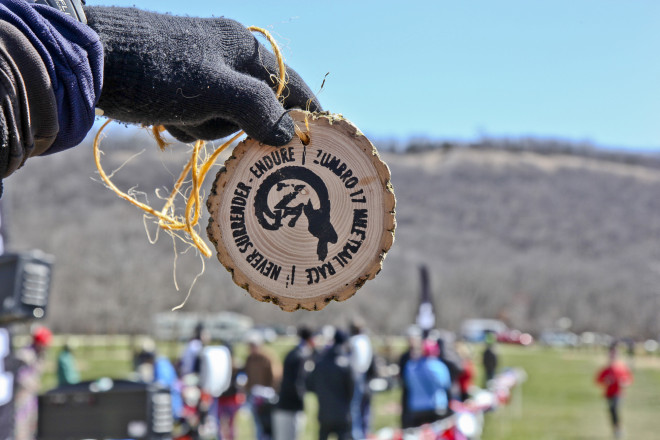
{"x": 73, "y": 56}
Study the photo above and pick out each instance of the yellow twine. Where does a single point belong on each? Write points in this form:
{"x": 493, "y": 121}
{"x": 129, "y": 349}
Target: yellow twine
{"x": 198, "y": 171}
{"x": 156, "y": 130}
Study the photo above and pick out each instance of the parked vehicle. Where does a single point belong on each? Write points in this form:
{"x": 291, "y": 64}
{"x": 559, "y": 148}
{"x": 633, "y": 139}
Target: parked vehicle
{"x": 475, "y": 330}
{"x": 180, "y": 326}
{"x": 556, "y": 338}
{"x": 512, "y": 336}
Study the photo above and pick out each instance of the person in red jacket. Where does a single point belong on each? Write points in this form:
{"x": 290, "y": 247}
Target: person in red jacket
{"x": 614, "y": 377}
{"x": 466, "y": 377}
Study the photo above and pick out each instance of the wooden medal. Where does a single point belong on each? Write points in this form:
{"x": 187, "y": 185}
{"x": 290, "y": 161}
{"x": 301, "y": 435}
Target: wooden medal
{"x": 302, "y": 225}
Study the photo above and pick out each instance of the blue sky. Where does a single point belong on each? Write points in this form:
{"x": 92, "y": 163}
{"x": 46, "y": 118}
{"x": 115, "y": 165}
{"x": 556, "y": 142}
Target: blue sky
{"x": 579, "y": 70}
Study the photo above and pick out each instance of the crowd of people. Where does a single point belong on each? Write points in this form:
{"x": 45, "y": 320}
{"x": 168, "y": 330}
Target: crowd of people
{"x": 336, "y": 365}
{"x": 434, "y": 371}
{"x": 336, "y": 368}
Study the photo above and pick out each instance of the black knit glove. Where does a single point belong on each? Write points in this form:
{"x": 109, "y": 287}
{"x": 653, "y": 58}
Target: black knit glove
{"x": 202, "y": 78}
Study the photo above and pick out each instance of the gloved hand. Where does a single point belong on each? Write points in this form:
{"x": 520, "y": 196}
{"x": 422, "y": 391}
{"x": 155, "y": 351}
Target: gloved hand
{"x": 202, "y": 78}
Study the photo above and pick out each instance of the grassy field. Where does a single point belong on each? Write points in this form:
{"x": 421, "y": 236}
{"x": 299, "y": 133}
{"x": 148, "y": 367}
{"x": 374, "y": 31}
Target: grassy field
{"x": 559, "y": 400}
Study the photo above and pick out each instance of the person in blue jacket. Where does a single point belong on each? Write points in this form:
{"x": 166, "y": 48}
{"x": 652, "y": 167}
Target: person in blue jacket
{"x": 61, "y": 62}
{"x": 429, "y": 385}
{"x": 162, "y": 372}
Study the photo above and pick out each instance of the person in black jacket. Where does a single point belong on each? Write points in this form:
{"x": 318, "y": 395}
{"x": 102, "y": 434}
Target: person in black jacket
{"x": 489, "y": 359}
{"x": 289, "y": 415}
{"x": 332, "y": 381}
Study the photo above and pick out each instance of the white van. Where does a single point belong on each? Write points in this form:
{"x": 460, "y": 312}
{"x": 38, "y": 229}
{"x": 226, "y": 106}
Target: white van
{"x": 474, "y": 330}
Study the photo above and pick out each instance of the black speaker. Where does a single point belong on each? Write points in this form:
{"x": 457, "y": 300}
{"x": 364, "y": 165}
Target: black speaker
{"x": 24, "y": 286}
{"x": 106, "y": 408}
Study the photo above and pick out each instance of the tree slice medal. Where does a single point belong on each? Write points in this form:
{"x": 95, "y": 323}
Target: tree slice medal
{"x": 302, "y": 225}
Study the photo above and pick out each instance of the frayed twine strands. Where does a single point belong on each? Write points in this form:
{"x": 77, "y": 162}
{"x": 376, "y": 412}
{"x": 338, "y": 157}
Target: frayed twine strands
{"x": 188, "y": 223}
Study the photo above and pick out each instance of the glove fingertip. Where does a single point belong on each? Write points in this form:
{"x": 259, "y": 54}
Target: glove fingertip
{"x": 179, "y": 134}
{"x": 282, "y": 133}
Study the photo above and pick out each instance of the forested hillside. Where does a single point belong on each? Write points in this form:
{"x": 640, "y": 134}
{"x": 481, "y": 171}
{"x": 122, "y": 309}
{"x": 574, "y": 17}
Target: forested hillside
{"x": 526, "y": 233}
